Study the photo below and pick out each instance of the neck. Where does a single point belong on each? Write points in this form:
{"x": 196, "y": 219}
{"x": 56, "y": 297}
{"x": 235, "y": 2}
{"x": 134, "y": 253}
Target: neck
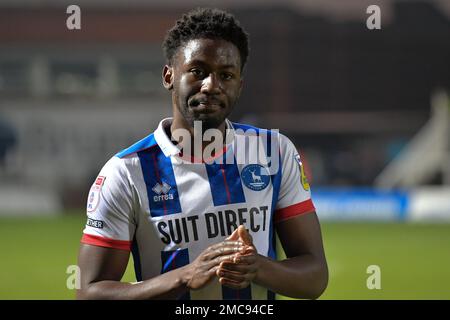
{"x": 196, "y": 133}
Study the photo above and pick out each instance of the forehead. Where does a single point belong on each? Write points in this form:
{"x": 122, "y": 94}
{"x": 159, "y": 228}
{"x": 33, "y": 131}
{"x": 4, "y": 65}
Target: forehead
{"x": 214, "y": 52}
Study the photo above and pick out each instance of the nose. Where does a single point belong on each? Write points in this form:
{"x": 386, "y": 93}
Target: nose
{"x": 210, "y": 85}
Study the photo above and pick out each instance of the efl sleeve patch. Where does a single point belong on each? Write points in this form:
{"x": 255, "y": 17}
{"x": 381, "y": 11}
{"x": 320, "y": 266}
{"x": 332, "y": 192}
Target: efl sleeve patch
{"x": 94, "y": 194}
{"x": 294, "y": 187}
{"x": 303, "y": 178}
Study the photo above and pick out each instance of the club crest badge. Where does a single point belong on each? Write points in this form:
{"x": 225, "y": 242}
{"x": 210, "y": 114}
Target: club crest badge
{"x": 255, "y": 177}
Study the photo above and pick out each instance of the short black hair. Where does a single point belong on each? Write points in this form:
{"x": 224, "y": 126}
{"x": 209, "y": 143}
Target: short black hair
{"x": 206, "y": 23}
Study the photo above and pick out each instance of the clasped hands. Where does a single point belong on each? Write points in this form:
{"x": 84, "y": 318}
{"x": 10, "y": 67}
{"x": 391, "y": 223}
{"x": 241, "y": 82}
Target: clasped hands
{"x": 234, "y": 261}
{"x": 239, "y": 272}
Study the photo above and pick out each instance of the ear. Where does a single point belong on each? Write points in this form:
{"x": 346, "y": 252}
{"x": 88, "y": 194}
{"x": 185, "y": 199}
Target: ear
{"x": 167, "y": 77}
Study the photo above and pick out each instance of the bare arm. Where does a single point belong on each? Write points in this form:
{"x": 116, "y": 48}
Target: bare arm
{"x": 102, "y": 269}
{"x": 303, "y": 274}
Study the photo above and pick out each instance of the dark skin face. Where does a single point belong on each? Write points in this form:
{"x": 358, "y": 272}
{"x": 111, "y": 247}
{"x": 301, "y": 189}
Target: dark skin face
{"x": 205, "y": 80}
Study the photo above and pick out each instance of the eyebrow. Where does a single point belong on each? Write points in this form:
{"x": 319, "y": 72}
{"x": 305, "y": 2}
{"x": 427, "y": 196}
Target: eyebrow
{"x": 226, "y": 66}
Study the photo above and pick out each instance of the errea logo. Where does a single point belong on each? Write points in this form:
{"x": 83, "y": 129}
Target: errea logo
{"x": 162, "y": 191}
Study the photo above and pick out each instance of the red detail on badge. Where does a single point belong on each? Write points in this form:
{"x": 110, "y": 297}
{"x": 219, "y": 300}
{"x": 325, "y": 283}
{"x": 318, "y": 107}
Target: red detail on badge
{"x": 100, "y": 180}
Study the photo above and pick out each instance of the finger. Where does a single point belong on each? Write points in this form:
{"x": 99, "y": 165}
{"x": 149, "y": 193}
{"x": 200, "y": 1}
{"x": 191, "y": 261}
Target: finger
{"x": 226, "y": 242}
{"x": 219, "y": 259}
{"x": 233, "y": 267}
{"x": 221, "y": 272}
{"x": 234, "y": 285}
{"x": 244, "y": 258}
{"x": 245, "y": 236}
{"x": 226, "y": 251}
{"x": 236, "y": 264}
{"x": 213, "y": 270}
{"x": 233, "y": 276}
{"x": 213, "y": 265}
{"x": 234, "y": 235}
{"x": 223, "y": 249}
{"x": 249, "y": 250}
{"x": 241, "y": 258}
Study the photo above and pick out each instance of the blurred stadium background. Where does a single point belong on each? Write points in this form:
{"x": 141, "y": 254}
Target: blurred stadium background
{"x": 368, "y": 108}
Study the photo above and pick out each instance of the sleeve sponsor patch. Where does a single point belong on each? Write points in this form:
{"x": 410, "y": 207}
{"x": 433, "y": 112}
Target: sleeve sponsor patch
{"x": 303, "y": 179}
{"x": 94, "y": 194}
{"x": 99, "y": 181}
{"x": 95, "y": 223}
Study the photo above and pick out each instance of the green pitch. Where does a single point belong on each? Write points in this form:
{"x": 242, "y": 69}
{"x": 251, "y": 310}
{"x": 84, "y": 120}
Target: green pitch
{"x": 414, "y": 258}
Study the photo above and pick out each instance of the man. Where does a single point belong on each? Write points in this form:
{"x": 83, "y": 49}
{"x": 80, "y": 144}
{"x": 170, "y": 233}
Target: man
{"x": 203, "y": 228}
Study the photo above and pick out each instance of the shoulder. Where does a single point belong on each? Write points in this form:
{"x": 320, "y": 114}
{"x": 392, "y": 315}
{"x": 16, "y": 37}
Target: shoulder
{"x": 284, "y": 143}
{"x": 249, "y": 129}
{"x": 127, "y": 160}
{"x": 146, "y": 143}
{"x": 241, "y": 128}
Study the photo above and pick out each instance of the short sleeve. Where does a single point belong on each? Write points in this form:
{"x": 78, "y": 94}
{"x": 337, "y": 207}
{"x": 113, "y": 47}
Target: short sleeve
{"x": 110, "y": 218}
{"x": 295, "y": 195}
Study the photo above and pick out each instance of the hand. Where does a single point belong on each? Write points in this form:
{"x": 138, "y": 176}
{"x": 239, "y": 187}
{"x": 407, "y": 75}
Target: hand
{"x": 242, "y": 270}
{"x": 203, "y": 269}
{"x": 241, "y": 234}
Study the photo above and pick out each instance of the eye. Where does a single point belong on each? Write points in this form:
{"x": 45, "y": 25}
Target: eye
{"x": 196, "y": 72}
{"x": 227, "y": 76}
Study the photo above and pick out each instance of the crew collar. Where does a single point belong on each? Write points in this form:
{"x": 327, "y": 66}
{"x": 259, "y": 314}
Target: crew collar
{"x": 170, "y": 149}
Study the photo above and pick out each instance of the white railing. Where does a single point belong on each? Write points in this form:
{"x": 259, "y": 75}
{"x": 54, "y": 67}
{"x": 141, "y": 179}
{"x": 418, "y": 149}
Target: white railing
{"x": 426, "y": 154}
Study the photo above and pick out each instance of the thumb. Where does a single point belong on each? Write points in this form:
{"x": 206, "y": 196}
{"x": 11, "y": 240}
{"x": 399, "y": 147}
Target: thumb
{"x": 245, "y": 236}
{"x": 234, "y": 235}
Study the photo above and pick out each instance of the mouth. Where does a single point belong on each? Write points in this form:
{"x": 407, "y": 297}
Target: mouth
{"x": 206, "y": 106}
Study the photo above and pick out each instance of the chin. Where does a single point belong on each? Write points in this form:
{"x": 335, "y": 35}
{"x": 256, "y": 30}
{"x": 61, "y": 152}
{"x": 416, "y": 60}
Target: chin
{"x": 209, "y": 123}
{"x": 208, "y": 120}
